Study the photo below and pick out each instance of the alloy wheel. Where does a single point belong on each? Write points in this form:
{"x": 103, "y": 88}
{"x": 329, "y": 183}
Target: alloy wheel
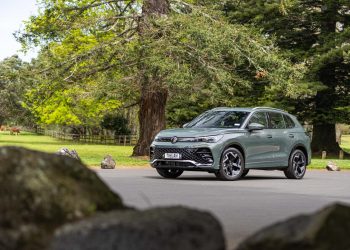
{"x": 299, "y": 164}
{"x": 232, "y": 164}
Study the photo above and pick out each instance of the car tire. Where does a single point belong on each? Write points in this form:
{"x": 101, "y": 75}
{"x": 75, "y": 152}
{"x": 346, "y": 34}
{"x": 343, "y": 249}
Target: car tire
{"x": 169, "y": 173}
{"x": 231, "y": 165}
{"x": 245, "y": 172}
{"x": 296, "y": 165}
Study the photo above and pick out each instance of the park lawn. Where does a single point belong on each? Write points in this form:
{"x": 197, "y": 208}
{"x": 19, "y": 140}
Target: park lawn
{"x": 318, "y": 163}
{"x": 91, "y": 154}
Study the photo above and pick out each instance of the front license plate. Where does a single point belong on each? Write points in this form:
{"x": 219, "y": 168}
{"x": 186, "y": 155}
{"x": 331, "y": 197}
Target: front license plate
{"x": 172, "y": 156}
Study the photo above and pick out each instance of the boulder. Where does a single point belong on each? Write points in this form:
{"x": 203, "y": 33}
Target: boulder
{"x": 69, "y": 153}
{"x": 108, "y": 162}
{"x": 174, "y": 228}
{"x": 331, "y": 166}
{"x": 327, "y": 229}
{"x": 39, "y": 192}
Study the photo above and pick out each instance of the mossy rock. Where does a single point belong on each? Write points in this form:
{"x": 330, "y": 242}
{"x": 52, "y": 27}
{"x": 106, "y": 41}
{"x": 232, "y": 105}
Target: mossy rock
{"x": 40, "y": 192}
{"x": 326, "y": 229}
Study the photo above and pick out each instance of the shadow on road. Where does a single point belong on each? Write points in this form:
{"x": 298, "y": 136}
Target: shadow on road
{"x": 213, "y": 178}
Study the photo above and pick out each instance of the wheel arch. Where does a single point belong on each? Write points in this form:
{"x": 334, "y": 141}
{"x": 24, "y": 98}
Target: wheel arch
{"x": 238, "y": 146}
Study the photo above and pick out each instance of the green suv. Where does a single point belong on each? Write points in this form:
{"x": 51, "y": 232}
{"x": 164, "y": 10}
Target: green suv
{"x": 230, "y": 141}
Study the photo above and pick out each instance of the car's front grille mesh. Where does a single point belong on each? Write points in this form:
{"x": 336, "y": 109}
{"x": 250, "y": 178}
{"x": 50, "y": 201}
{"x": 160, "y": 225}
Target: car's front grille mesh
{"x": 199, "y": 155}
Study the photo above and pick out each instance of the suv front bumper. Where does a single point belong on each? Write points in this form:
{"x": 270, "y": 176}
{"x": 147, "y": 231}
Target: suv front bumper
{"x": 192, "y": 158}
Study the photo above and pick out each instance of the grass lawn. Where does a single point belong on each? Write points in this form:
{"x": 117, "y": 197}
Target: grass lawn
{"x": 318, "y": 163}
{"x": 92, "y": 154}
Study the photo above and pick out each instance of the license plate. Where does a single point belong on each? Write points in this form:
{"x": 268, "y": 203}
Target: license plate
{"x": 172, "y": 156}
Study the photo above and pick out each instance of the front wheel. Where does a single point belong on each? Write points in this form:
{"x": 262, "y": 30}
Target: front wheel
{"x": 232, "y": 165}
{"x": 296, "y": 165}
{"x": 169, "y": 173}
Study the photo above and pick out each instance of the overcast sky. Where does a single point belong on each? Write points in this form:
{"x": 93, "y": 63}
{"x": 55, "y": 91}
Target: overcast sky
{"x": 12, "y": 15}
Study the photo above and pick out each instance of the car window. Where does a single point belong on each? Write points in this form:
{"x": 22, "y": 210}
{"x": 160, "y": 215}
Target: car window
{"x": 259, "y": 117}
{"x": 276, "y": 120}
{"x": 289, "y": 122}
{"x": 219, "y": 119}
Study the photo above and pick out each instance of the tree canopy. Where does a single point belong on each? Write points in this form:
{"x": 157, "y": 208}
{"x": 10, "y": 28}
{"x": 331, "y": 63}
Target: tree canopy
{"x": 99, "y": 55}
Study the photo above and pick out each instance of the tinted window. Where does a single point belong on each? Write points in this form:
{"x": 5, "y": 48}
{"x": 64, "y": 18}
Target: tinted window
{"x": 219, "y": 119}
{"x": 289, "y": 122}
{"x": 276, "y": 120}
{"x": 259, "y": 117}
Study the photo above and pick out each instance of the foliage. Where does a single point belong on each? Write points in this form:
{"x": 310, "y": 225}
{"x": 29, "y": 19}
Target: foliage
{"x": 314, "y": 32}
{"x": 13, "y": 84}
{"x": 92, "y": 49}
{"x": 116, "y": 123}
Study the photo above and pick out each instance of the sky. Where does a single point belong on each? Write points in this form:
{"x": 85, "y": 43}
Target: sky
{"x": 12, "y": 15}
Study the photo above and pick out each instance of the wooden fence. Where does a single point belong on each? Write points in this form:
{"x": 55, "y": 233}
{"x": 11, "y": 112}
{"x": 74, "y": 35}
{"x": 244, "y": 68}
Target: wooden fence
{"x": 124, "y": 140}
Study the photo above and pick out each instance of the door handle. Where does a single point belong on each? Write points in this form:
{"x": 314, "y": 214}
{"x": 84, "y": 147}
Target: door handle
{"x": 291, "y": 136}
{"x": 269, "y": 136}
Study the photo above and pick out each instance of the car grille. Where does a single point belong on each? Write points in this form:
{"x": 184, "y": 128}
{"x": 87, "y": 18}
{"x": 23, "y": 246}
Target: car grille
{"x": 199, "y": 155}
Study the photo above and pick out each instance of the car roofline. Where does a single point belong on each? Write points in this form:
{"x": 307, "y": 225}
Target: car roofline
{"x": 268, "y": 108}
{"x": 247, "y": 109}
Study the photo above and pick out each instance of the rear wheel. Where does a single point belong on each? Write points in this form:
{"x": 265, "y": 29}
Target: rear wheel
{"x": 296, "y": 166}
{"x": 169, "y": 172}
{"x": 232, "y": 165}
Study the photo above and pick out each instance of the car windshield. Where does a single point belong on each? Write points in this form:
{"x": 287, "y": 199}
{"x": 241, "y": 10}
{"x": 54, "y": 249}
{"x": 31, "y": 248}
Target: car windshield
{"x": 219, "y": 119}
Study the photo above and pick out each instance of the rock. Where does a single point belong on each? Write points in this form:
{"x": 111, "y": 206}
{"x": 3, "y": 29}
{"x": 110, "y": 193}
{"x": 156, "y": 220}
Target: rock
{"x": 327, "y": 229}
{"x": 174, "y": 228}
{"x": 108, "y": 162}
{"x": 39, "y": 192}
{"x": 70, "y": 153}
{"x": 331, "y": 166}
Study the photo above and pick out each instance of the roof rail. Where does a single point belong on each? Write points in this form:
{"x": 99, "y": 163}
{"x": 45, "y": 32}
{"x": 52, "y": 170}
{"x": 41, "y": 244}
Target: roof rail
{"x": 268, "y": 108}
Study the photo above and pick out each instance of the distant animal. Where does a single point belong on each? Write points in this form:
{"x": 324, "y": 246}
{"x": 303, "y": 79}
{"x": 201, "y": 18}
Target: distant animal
{"x": 15, "y": 131}
{"x": 3, "y": 128}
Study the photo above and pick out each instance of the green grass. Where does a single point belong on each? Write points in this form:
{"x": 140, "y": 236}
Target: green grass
{"x": 91, "y": 154}
{"x": 318, "y": 163}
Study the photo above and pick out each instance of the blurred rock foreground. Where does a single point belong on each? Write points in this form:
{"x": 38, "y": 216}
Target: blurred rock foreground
{"x": 52, "y": 202}
{"x": 327, "y": 229}
{"x": 40, "y": 193}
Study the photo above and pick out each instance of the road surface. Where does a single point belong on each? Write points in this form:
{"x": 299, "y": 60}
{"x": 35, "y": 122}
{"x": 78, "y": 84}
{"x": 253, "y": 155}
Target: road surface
{"x": 243, "y": 206}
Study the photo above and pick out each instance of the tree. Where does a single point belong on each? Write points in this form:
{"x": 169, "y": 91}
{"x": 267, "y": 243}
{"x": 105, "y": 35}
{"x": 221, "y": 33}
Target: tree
{"x": 317, "y": 33}
{"x": 117, "y": 123}
{"x": 13, "y": 85}
{"x": 147, "y": 52}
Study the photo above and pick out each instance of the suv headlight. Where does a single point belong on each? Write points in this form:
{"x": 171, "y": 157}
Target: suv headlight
{"x": 210, "y": 139}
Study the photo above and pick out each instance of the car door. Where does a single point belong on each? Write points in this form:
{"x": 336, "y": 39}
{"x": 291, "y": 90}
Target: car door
{"x": 258, "y": 143}
{"x": 280, "y": 138}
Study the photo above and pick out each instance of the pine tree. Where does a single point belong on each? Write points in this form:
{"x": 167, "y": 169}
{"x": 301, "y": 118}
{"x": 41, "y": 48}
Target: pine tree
{"x": 317, "y": 33}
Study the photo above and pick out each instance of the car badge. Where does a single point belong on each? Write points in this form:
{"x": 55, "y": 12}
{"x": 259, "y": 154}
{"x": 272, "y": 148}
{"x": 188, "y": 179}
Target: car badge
{"x": 174, "y": 139}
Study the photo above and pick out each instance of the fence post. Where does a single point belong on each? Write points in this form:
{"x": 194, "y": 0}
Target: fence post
{"x": 341, "y": 154}
{"x": 324, "y": 155}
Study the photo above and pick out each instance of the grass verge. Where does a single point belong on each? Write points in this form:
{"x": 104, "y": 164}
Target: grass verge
{"x": 92, "y": 154}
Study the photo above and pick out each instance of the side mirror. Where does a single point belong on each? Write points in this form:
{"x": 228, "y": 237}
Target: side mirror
{"x": 255, "y": 126}
{"x": 185, "y": 125}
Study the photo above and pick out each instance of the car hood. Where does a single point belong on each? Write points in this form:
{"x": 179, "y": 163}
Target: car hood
{"x": 196, "y": 132}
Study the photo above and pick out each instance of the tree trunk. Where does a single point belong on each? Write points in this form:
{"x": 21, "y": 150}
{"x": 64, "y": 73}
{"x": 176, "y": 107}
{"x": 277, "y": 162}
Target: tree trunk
{"x": 153, "y": 93}
{"x": 324, "y": 130}
{"x": 324, "y": 139}
{"x": 152, "y": 119}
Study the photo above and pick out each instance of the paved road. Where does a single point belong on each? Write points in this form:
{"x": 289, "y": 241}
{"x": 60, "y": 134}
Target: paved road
{"x": 244, "y": 206}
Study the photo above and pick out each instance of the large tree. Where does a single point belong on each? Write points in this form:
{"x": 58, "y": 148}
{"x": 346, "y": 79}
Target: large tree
{"x": 145, "y": 52}
{"x": 13, "y": 86}
{"x": 318, "y": 34}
